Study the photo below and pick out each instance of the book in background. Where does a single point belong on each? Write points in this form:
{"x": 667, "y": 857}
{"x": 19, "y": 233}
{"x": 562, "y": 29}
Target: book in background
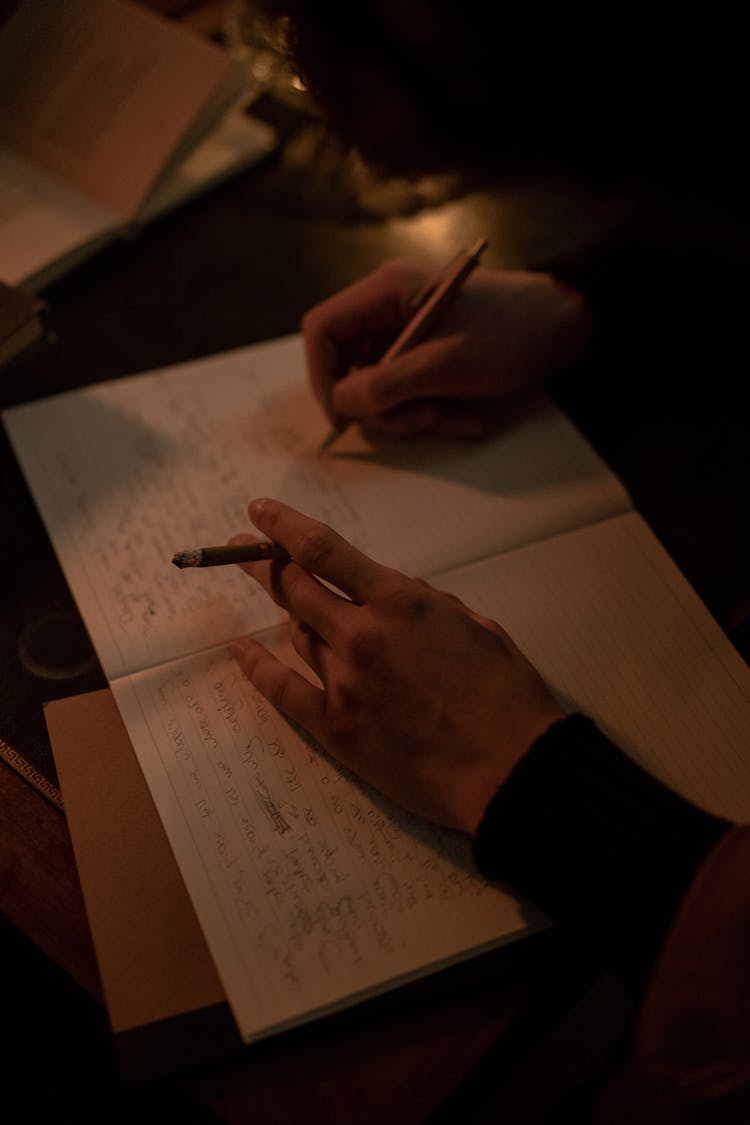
{"x": 20, "y": 322}
{"x": 110, "y": 115}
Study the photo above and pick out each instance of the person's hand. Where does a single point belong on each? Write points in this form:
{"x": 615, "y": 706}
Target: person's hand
{"x": 426, "y": 701}
{"x": 505, "y": 332}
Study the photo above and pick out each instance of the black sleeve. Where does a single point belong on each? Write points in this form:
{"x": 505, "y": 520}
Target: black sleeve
{"x": 650, "y": 290}
{"x": 595, "y": 842}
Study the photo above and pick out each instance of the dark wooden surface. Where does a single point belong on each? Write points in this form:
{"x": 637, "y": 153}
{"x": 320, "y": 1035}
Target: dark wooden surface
{"x": 240, "y": 265}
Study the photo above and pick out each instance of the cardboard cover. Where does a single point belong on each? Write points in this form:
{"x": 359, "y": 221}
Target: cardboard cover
{"x": 165, "y": 1002}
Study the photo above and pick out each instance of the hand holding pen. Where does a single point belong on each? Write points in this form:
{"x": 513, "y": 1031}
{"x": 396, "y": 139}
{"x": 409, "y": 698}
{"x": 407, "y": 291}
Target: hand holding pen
{"x": 366, "y": 309}
{"x": 501, "y": 333}
{"x": 517, "y": 328}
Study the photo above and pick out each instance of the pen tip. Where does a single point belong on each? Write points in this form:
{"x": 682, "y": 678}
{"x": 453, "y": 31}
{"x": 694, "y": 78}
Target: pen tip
{"x": 330, "y": 439}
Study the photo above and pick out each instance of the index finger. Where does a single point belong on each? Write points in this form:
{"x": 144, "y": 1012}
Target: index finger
{"x": 319, "y": 549}
{"x": 355, "y": 326}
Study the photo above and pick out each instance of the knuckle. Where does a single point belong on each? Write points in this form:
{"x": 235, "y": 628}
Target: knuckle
{"x": 304, "y": 638}
{"x": 341, "y": 726}
{"x": 347, "y": 710}
{"x": 290, "y": 580}
{"x": 373, "y": 395}
{"x": 364, "y": 648}
{"x": 571, "y": 302}
{"x": 297, "y": 631}
{"x": 315, "y": 546}
{"x": 411, "y": 601}
{"x": 393, "y": 270}
{"x": 277, "y": 693}
{"x": 400, "y": 277}
{"x": 313, "y": 320}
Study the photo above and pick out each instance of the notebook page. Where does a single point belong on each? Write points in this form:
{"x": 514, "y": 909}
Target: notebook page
{"x": 101, "y": 93}
{"x": 237, "y": 142}
{"x": 618, "y": 632}
{"x": 43, "y": 219}
{"x": 311, "y": 890}
{"x": 128, "y": 472}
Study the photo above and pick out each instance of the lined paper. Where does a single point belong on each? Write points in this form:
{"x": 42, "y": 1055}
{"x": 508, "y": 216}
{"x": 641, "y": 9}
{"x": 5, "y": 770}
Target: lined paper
{"x": 618, "y": 632}
{"x": 126, "y": 473}
{"x": 311, "y": 889}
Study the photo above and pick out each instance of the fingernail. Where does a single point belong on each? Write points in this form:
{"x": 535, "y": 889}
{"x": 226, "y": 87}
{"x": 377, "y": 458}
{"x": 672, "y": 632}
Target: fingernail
{"x": 238, "y": 647}
{"x": 256, "y": 508}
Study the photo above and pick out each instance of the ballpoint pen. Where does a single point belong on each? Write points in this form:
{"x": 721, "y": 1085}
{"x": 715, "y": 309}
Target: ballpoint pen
{"x": 430, "y": 304}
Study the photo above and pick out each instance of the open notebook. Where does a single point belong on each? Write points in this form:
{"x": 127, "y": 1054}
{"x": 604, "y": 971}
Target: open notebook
{"x": 110, "y": 115}
{"x": 311, "y": 890}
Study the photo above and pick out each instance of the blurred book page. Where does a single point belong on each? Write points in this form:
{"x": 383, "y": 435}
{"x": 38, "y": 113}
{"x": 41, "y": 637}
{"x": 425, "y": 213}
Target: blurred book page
{"x": 102, "y": 93}
{"x": 43, "y": 219}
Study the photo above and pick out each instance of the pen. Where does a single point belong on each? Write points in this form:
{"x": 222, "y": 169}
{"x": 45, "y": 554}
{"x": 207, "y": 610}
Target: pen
{"x": 430, "y": 304}
{"x": 235, "y": 553}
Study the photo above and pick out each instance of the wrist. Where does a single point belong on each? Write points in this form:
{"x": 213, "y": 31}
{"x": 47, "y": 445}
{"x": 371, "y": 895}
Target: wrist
{"x": 483, "y": 784}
